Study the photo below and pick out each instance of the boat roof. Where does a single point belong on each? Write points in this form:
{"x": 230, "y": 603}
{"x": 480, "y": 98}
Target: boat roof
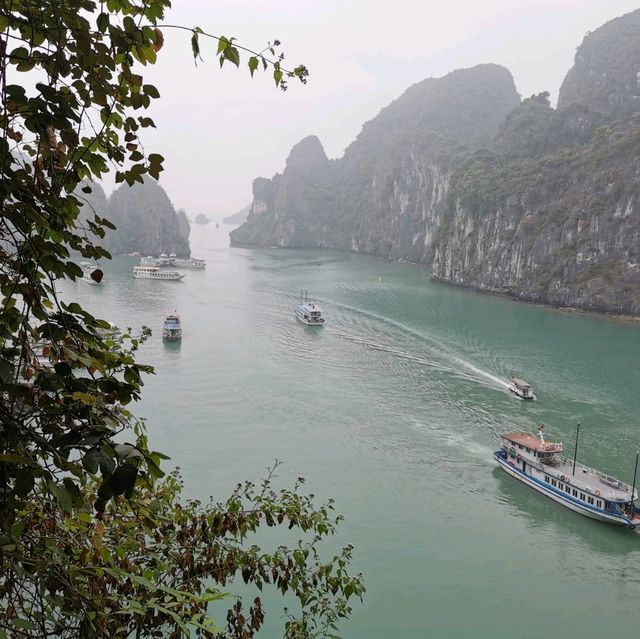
{"x": 520, "y": 382}
{"x": 311, "y": 306}
{"x": 534, "y": 442}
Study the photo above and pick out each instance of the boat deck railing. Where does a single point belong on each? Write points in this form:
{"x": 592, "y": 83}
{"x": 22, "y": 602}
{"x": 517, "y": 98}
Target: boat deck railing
{"x": 589, "y": 477}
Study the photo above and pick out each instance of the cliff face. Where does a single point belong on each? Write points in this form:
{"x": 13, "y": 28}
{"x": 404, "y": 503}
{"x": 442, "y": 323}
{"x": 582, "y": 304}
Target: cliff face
{"x": 563, "y": 229}
{"x": 144, "y": 218}
{"x": 493, "y": 193}
{"x": 384, "y": 195}
{"x": 606, "y": 73}
{"x": 552, "y": 212}
{"x": 145, "y": 221}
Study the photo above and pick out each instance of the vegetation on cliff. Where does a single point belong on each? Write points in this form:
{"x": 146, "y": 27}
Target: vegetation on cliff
{"x": 380, "y": 197}
{"x": 145, "y": 221}
{"x": 550, "y": 213}
{"x": 493, "y": 193}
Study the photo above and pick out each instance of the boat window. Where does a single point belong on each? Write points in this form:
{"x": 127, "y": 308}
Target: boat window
{"x": 590, "y": 500}
{"x": 599, "y": 503}
{"x": 575, "y": 492}
{"x": 553, "y": 482}
{"x": 582, "y": 496}
{"x": 567, "y": 489}
{"x": 546, "y": 478}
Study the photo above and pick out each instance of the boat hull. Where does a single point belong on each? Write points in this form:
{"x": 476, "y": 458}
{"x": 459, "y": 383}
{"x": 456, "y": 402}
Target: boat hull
{"x": 557, "y": 496}
{"x": 310, "y": 322}
{"x": 159, "y": 279}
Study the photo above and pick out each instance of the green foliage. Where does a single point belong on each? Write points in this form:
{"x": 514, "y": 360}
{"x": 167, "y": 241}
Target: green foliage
{"x": 153, "y": 565}
{"x": 94, "y": 540}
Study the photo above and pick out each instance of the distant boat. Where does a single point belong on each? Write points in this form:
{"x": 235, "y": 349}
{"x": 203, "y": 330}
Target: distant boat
{"x": 149, "y": 261}
{"x": 166, "y": 260}
{"x": 192, "y": 262}
{"x": 217, "y": 225}
{"x": 172, "y": 329}
{"x": 541, "y": 466}
{"x": 91, "y": 274}
{"x": 155, "y": 273}
{"x": 309, "y": 312}
{"x": 521, "y": 388}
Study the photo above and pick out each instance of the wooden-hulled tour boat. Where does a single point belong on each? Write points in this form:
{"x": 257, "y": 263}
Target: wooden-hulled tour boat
{"x": 543, "y": 466}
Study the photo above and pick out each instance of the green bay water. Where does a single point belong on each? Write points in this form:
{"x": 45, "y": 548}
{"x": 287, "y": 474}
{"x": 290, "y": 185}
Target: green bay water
{"x": 394, "y": 409}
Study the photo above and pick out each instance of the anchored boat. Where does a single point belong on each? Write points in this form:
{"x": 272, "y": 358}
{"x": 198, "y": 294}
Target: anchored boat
{"x": 155, "y": 273}
{"x": 542, "y": 466}
{"x": 309, "y": 312}
{"x": 192, "y": 262}
{"x": 521, "y": 388}
{"x": 172, "y": 329}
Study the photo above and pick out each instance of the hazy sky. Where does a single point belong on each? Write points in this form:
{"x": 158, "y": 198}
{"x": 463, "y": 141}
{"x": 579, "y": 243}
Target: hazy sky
{"x": 218, "y": 129}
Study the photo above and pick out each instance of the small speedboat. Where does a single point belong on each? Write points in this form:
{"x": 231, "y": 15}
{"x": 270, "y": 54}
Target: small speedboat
{"x": 520, "y": 388}
{"x": 172, "y": 329}
{"x": 309, "y": 312}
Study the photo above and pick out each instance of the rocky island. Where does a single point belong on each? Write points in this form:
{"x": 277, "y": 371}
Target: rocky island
{"x": 493, "y": 193}
{"x": 145, "y": 219}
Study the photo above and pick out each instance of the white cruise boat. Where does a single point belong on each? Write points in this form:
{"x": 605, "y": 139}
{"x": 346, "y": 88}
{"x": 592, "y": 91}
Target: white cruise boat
{"x": 91, "y": 274}
{"x": 192, "y": 262}
{"x": 309, "y": 312}
{"x": 166, "y": 260}
{"x": 155, "y": 273}
{"x": 542, "y": 466}
{"x": 520, "y": 388}
{"x": 172, "y": 329}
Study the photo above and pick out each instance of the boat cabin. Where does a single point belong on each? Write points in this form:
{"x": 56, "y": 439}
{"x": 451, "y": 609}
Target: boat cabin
{"x": 532, "y": 445}
{"x": 521, "y": 388}
{"x": 310, "y": 313}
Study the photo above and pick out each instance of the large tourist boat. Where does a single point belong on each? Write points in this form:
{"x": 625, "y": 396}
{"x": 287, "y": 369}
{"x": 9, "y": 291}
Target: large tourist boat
{"x": 172, "y": 329}
{"x": 166, "y": 260}
{"x": 543, "y": 466}
{"x": 155, "y": 273}
{"x": 309, "y": 312}
{"x": 520, "y": 388}
{"x": 192, "y": 262}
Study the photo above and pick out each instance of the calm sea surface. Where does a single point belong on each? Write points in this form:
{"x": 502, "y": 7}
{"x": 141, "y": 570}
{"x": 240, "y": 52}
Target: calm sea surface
{"x": 394, "y": 409}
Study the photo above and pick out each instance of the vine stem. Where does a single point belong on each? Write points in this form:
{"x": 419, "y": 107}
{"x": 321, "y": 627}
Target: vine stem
{"x": 218, "y": 38}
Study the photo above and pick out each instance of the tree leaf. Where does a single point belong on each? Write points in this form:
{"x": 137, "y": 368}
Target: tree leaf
{"x": 91, "y": 460}
{"x": 253, "y": 64}
{"x": 123, "y": 479}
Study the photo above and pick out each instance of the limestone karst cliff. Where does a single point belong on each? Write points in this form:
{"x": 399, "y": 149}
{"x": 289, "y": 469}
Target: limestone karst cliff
{"x": 495, "y": 194}
{"x": 384, "y": 195}
{"x": 144, "y": 217}
{"x": 551, "y": 213}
